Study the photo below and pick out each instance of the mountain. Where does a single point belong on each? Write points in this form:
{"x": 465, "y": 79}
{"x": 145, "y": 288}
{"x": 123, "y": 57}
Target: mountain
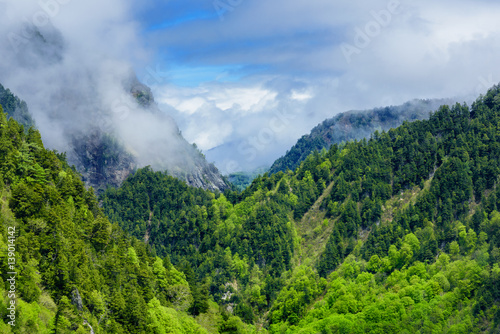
{"x": 396, "y": 233}
{"x": 107, "y": 122}
{"x": 241, "y": 180}
{"x": 354, "y": 125}
{"x": 104, "y": 160}
{"x": 66, "y": 268}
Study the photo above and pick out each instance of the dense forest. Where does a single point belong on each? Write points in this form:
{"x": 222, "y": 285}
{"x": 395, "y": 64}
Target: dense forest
{"x": 76, "y": 272}
{"x": 396, "y": 233}
{"x": 353, "y": 125}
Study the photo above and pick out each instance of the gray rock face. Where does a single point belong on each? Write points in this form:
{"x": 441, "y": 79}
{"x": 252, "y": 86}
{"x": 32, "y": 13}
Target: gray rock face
{"x": 76, "y": 299}
{"x": 206, "y": 176}
{"x": 103, "y": 160}
{"x": 100, "y": 160}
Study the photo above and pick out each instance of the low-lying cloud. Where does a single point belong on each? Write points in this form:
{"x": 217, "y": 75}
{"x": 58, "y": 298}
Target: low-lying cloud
{"x": 400, "y": 50}
{"x": 72, "y": 62}
{"x": 244, "y": 86}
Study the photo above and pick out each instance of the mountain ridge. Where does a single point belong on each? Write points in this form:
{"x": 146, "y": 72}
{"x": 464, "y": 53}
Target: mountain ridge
{"x": 374, "y": 235}
{"x": 354, "y": 124}
{"x": 405, "y": 227}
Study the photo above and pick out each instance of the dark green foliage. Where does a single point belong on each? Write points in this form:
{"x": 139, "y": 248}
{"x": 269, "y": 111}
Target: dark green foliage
{"x": 237, "y": 248}
{"x": 73, "y": 265}
{"x": 405, "y": 227}
{"x": 212, "y": 240}
{"x": 162, "y": 209}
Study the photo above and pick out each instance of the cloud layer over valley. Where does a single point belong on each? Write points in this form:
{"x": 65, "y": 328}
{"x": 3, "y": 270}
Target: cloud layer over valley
{"x": 242, "y": 79}
{"x": 337, "y": 56}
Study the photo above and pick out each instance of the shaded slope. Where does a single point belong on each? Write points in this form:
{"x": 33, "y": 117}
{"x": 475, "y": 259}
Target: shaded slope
{"x": 15, "y": 108}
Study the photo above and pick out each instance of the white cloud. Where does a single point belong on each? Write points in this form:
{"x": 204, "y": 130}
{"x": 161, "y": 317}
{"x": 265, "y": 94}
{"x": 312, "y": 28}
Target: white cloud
{"x": 427, "y": 49}
{"x": 270, "y": 118}
{"x": 213, "y": 113}
{"x": 75, "y": 72}
{"x": 301, "y": 96}
{"x": 271, "y": 57}
{"x": 189, "y": 106}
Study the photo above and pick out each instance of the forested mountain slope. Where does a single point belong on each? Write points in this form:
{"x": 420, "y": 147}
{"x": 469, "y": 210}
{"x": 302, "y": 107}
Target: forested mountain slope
{"x": 395, "y": 234}
{"x": 353, "y": 125}
{"x": 399, "y": 233}
{"x": 415, "y": 239}
{"x": 74, "y": 270}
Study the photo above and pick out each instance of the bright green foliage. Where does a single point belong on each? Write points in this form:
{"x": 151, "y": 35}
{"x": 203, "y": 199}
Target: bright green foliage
{"x": 390, "y": 204}
{"x": 163, "y": 320}
{"x": 394, "y": 283}
{"x": 426, "y": 298}
{"x": 304, "y": 287}
{"x": 75, "y": 269}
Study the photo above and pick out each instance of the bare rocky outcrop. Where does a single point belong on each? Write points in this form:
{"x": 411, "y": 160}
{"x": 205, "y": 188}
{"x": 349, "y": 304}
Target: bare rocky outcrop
{"x": 103, "y": 162}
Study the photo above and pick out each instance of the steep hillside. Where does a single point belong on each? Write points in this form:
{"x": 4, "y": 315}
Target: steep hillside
{"x": 104, "y": 160}
{"x": 414, "y": 245}
{"x": 396, "y": 233}
{"x": 66, "y": 268}
{"x": 353, "y": 125}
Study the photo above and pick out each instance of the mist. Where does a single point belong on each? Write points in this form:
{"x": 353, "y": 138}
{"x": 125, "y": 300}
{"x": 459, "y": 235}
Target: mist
{"x": 76, "y": 76}
{"x": 243, "y": 92}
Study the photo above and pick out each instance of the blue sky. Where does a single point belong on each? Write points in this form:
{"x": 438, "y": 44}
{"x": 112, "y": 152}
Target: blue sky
{"x": 217, "y": 38}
